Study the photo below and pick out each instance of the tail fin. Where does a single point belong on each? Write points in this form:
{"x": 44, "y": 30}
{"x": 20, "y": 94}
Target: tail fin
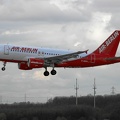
{"x": 110, "y": 45}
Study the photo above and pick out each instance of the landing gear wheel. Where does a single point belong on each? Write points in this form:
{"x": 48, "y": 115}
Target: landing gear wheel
{"x": 53, "y": 72}
{"x": 46, "y": 73}
{"x": 3, "y": 69}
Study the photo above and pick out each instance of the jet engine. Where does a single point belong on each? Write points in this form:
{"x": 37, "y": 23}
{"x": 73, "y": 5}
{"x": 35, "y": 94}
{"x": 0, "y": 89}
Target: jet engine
{"x": 35, "y": 63}
{"x": 23, "y": 66}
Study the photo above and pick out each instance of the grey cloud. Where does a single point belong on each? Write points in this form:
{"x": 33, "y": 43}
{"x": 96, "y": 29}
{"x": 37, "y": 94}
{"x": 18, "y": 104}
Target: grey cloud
{"x": 106, "y": 6}
{"x": 23, "y": 10}
{"x": 115, "y": 21}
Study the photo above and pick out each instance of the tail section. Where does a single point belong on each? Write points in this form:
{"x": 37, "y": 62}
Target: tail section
{"x": 110, "y": 45}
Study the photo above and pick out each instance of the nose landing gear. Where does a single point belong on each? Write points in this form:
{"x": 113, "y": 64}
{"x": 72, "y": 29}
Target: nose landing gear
{"x": 3, "y": 68}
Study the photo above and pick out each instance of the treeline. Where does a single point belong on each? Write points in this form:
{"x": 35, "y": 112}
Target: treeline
{"x": 64, "y": 108}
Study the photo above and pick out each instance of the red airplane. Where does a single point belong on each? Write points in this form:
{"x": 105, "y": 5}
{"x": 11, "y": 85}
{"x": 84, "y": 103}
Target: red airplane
{"x": 38, "y": 57}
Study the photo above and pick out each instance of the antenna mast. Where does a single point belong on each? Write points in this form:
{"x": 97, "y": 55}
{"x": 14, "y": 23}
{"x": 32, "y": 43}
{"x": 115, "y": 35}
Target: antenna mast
{"x": 76, "y": 88}
{"x": 94, "y": 87}
{"x": 25, "y": 97}
{"x": 113, "y": 90}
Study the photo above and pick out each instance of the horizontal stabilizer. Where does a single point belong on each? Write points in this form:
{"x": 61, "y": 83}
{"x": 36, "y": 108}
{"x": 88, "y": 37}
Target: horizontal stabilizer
{"x": 113, "y": 58}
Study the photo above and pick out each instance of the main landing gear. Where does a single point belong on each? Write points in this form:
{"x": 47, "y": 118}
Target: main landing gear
{"x": 3, "y": 68}
{"x": 46, "y": 73}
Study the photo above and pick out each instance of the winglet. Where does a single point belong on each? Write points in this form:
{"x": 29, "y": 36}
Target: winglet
{"x": 86, "y": 51}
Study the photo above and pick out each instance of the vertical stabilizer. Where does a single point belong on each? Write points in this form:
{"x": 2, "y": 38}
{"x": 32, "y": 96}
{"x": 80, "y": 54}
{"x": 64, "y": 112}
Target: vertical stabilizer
{"x": 110, "y": 45}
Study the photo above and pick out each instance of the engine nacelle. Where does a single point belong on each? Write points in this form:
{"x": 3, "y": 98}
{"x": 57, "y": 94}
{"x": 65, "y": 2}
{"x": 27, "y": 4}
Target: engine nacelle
{"x": 35, "y": 63}
{"x": 23, "y": 66}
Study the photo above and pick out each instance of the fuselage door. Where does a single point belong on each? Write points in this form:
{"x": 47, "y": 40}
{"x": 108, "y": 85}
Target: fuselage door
{"x": 6, "y": 49}
{"x": 40, "y": 53}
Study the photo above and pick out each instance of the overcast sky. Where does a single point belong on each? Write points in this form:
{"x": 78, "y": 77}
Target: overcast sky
{"x": 64, "y": 24}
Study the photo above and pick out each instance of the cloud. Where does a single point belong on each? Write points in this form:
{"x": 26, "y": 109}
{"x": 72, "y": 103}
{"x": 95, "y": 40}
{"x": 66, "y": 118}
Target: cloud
{"x": 107, "y": 6}
{"x": 23, "y": 10}
{"x": 18, "y": 32}
{"x": 77, "y": 44}
{"x": 98, "y": 26}
{"x": 38, "y": 75}
{"x": 72, "y": 4}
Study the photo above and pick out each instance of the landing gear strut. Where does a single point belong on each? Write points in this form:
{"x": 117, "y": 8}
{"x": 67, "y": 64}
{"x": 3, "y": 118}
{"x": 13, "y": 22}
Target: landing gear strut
{"x": 3, "y": 68}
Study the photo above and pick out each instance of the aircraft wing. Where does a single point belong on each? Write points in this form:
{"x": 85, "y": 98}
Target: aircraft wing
{"x": 60, "y": 58}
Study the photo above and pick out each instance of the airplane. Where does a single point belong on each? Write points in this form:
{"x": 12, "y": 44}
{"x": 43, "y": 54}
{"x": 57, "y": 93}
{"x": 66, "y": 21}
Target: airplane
{"x": 39, "y": 57}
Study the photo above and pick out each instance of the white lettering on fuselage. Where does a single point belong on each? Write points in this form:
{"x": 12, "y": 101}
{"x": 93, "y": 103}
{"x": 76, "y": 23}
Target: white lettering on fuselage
{"x": 108, "y": 41}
